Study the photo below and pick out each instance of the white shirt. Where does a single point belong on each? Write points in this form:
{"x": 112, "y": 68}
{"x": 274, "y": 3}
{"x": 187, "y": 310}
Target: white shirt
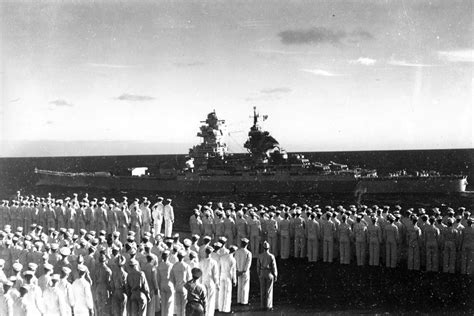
{"x": 82, "y": 294}
{"x": 227, "y": 267}
{"x": 157, "y": 213}
{"x": 243, "y": 260}
{"x": 168, "y": 212}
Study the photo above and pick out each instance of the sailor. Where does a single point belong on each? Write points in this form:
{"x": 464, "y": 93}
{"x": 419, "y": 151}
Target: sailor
{"x": 243, "y": 261}
{"x": 81, "y": 216}
{"x": 228, "y": 279}
{"x": 112, "y": 221}
{"x": 451, "y": 242}
{"x": 33, "y": 299}
{"x": 392, "y": 237}
{"x": 6, "y": 299}
{"x": 208, "y": 224}
{"x": 216, "y": 257}
{"x": 329, "y": 232}
{"x": 146, "y": 214}
{"x": 65, "y": 292}
{"x": 467, "y": 248}
{"x": 139, "y": 294}
{"x": 90, "y": 214}
{"x": 45, "y": 279}
{"x": 241, "y": 226}
{"x": 299, "y": 229}
{"x": 195, "y": 223}
{"x": 345, "y": 236}
{"x": 268, "y": 274}
{"x": 196, "y": 295}
{"x": 166, "y": 286}
{"x": 102, "y": 281}
{"x": 193, "y": 260}
{"x": 180, "y": 274}
{"x": 136, "y": 221}
{"x": 229, "y": 227}
{"x": 119, "y": 297}
{"x": 60, "y": 214}
{"x": 414, "y": 238}
{"x": 374, "y": 234}
{"x": 150, "y": 273}
{"x": 123, "y": 220}
{"x": 52, "y": 298}
{"x": 168, "y": 216}
{"x": 255, "y": 228}
{"x": 157, "y": 215}
{"x": 431, "y": 240}
{"x": 312, "y": 238}
{"x": 219, "y": 224}
{"x": 206, "y": 241}
{"x": 284, "y": 232}
{"x": 17, "y": 267}
{"x": 360, "y": 234}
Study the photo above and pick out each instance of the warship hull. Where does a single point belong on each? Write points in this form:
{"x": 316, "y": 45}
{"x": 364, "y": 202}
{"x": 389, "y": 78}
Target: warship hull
{"x": 256, "y": 183}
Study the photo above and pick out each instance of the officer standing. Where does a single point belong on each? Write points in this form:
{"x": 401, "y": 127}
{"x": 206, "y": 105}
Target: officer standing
{"x": 157, "y": 215}
{"x": 196, "y": 295}
{"x": 180, "y": 274}
{"x": 119, "y": 285}
{"x": 139, "y": 293}
{"x": 210, "y": 280}
{"x": 81, "y": 289}
{"x": 374, "y": 235}
{"x": 168, "y": 215}
{"x": 413, "y": 235}
{"x": 163, "y": 276}
{"x": 243, "y": 260}
{"x": 268, "y": 274}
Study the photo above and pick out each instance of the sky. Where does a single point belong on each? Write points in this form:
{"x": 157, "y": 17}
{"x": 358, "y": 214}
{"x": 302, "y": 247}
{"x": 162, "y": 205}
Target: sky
{"x": 137, "y": 77}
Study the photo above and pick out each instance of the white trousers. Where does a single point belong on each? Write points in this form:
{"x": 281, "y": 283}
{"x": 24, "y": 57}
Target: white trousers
{"x": 168, "y": 227}
{"x": 225, "y": 295}
{"x": 211, "y": 298}
{"x": 243, "y": 288}
{"x": 157, "y": 226}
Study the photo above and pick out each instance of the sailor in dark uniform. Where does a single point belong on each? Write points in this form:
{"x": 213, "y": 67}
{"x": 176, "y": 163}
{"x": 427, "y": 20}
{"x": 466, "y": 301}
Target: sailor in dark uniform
{"x": 268, "y": 274}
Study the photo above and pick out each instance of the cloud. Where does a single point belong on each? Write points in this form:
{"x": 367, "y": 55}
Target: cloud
{"x": 61, "y": 102}
{"x": 276, "y": 90}
{"x": 323, "y": 73}
{"x": 116, "y": 66}
{"x": 49, "y": 122}
{"x": 364, "y": 61}
{"x": 189, "y": 64}
{"x": 253, "y": 23}
{"x": 462, "y": 56}
{"x": 320, "y": 35}
{"x": 134, "y": 97}
{"x": 404, "y": 63}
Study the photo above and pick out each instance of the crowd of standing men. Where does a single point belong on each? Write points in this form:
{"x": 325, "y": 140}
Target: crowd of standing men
{"x": 84, "y": 257}
{"x": 434, "y": 240}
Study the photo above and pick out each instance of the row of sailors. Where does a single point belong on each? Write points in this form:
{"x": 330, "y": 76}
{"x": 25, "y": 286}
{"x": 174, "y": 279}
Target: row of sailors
{"x": 139, "y": 279}
{"x": 348, "y": 233}
{"x": 92, "y": 215}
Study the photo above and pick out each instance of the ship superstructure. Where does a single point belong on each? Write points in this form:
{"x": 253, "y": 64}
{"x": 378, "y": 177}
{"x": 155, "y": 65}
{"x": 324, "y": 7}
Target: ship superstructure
{"x": 213, "y": 149}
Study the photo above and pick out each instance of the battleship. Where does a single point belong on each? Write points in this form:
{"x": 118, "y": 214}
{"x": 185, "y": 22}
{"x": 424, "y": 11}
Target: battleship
{"x": 266, "y": 168}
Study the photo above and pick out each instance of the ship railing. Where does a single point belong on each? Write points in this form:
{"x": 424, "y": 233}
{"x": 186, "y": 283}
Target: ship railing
{"x": 69, "y": 174}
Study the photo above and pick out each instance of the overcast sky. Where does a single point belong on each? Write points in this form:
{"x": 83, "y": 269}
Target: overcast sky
{"x": 331, "y": 75}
